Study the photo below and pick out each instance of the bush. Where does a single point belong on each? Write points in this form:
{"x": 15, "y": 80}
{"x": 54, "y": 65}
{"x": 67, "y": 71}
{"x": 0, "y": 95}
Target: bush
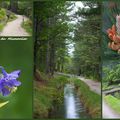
{"x": 112, "y": 76}
{"x": 2, "y": 15}
{"x": 12, "y": 17}
{"x": 27, "y": 25}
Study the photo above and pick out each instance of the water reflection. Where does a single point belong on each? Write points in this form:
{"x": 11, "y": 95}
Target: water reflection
{"x": 73, "y": 106}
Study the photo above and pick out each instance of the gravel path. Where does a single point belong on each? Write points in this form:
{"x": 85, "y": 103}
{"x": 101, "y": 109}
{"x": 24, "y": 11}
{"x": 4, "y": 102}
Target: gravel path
{"x": 94, "y": 86}
{"x": 14, "y": 28}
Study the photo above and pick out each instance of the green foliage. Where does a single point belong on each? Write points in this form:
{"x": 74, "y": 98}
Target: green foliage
{"x": 3, "y": 18}
{"x": 1, "y": 27}
{"x": 25, "y": 7}
{"x": 117, "y": 95}
{"x": 87, "y": 42}
{"x": 51, "y": 32}
{"x": 59, "y": 82}
{"x": 113, "y": 102}
{"x": 91, "y": 100}
{"x": 2, "y": 13}
{"x": 18, "y": 7}
{"x": 27, "y": 25}
{"x": 12, "y": 17}
{"x": 42, "y": 100}
{"x": 111, "y": 75}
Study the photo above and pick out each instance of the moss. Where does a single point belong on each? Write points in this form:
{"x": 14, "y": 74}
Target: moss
{"x": 91, "y": 100}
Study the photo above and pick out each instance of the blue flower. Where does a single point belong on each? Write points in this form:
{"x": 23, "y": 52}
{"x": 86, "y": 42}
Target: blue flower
{"x": 8, "y": 81}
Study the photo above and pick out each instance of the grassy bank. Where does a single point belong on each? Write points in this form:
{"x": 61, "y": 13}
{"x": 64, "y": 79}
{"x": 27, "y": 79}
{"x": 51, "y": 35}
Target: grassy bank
{"x": 91, "y": 100}
{"x": 4, "y": 19}
{"x": 48, "y": 95}
{"x": 113, "y": 102}
{"x": 27, "y": 25}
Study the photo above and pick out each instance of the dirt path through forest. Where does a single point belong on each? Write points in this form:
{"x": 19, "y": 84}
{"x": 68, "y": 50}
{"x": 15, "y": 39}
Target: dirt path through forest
{"x": 14, "y": 28}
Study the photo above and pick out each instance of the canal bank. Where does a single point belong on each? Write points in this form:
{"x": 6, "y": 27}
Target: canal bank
{"x": 90, "y": 99}
{"x": 65, "y": 97}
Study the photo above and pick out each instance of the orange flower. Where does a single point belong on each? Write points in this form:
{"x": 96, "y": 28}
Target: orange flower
{"x": 112, "y": 34}
{"x": 114, "y": 46}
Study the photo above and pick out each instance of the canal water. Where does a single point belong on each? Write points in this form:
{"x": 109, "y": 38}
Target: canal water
{"x": 73, "y": 106}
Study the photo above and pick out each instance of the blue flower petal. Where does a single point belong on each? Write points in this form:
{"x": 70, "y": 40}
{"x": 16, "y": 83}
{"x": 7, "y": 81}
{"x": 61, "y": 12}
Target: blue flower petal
{"x": 13, "y": 83}
{"x": 8, "y": 81}
{"x": 3, "y": 71}
{"x": 5, "y": 91}
{"x": 15, "y": 74}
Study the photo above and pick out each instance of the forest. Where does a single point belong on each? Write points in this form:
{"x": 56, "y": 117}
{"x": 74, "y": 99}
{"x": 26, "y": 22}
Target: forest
{"x": 56, "y": 36}
{"x": 10, "y": 10}
{"x": 66, "y": 47}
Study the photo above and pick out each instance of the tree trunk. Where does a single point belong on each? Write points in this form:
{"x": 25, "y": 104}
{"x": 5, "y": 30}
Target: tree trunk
{"x": 48, "y": 58}
{"x": 35, "y": 43}
{"x": 52, "y": 59}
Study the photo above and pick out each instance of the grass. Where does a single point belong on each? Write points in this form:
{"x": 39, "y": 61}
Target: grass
{"x": 91, "y": 100}
{"x": 113, "y": 102}
{"x": 3, "y": 18}
{"x": 1, "y": 27}
{"x": 42, "y": 100}
{"x": 48, "y": 95}
{"x": 27, "y": 25}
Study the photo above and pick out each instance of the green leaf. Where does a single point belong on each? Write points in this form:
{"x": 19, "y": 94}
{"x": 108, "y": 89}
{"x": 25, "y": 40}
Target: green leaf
{"x": 4, "y": 103}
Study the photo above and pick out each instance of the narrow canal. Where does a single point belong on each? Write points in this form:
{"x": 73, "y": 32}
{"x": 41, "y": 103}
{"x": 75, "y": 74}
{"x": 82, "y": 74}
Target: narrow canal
{"x": 74, "y": 108}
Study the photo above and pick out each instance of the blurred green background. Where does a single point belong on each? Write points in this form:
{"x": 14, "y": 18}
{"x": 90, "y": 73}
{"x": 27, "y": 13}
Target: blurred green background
{"x": 16, "y": 55}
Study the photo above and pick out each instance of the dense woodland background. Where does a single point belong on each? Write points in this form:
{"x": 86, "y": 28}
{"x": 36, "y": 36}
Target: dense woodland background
{"x": 56, "y": 36}
{"x": 18, "y": 7}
